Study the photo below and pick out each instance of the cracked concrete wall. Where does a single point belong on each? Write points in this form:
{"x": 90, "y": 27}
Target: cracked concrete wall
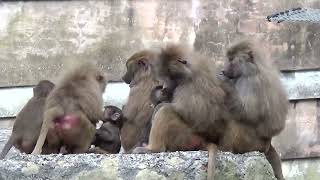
{"x": 38, "y": 39}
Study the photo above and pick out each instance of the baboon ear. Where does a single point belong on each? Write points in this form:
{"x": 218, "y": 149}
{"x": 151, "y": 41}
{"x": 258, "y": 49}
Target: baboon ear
{"x": 115, "y": 116}
{"x": 143, "y": 63}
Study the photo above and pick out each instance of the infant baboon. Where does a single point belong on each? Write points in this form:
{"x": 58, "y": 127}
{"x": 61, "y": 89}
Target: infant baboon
{"x": 72, "y": 110}
{"x": 160, "y": 95}
{"x": 28, "y": 122}
{"x": 107, "y": 139}
{"x": 257, "y": 101}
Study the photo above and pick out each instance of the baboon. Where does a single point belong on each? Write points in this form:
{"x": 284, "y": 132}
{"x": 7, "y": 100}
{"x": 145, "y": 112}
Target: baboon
{"x": 28, "y": 122}
{"x": 257, "y": 101}
{"x": 107, "y": 138}
{"x": 160, "y": 95}
{"x": 138, "y": 109}
{"x": 195, "y": 86}
{"x": 192, "y": 79}
{"x": 72, "y": 110}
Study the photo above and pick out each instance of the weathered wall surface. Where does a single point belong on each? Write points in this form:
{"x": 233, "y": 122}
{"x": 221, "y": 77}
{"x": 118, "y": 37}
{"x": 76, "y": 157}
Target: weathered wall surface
{"x": 37, "y": 39}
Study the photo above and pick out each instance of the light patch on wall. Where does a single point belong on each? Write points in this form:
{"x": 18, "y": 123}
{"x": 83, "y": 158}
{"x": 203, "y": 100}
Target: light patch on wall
{"x": 13, "y": 99}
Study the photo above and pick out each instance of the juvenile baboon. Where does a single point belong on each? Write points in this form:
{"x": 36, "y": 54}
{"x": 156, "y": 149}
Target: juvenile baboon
{"x": 138, "y": 109}
{"x": 72, "y": 110}
{"x": 28, "y": 122}
{"x": 257, "y": 101}
{"x": 107, "y": 138}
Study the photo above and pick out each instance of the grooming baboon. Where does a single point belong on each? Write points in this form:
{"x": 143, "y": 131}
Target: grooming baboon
{"x": 196, "y": 87}
{"x": 107, "y": 138}
{"x": 72, "y": 110}
{"x": 28, "y": 122}
{"x": 256, "y": 99}
{"x": 138, "y": 109}
{"x": 196, "y": 113}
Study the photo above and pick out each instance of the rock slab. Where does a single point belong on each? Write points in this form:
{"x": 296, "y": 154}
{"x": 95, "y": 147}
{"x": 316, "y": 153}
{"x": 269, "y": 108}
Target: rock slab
{"x": 158, "y": 166}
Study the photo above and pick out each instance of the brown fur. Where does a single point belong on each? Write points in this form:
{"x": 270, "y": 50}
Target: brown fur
{"x": 191, "y": 79}
{"x": 197, "y": 88}
{"x": 108, "y": 135}
{"x": 159, "y": 95}
{"x": 28, "y": 122}
{"x": 138, "y": 109}
{"x": 78, "y": 94}
{"x": 257, "y": 100}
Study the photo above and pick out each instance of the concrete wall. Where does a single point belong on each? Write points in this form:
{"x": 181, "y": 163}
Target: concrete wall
{"x": 37, "y": 39}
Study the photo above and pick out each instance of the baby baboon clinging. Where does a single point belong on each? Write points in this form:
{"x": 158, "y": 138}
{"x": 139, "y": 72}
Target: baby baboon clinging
{"x": 107, "y": 139}
{"x": 72, "y": 109}
{"x": 28, "y": 122}
{"x": 257, "y": 100}
{"x": 160, "y": 95}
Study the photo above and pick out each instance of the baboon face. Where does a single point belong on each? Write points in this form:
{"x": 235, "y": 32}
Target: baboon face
{"x": 241, "y": 63}
{"x": 159, "y": 95}
{"x": 43, "y": 88}
{"x": 137, "y": 66}
{"x": 113, "y": 114}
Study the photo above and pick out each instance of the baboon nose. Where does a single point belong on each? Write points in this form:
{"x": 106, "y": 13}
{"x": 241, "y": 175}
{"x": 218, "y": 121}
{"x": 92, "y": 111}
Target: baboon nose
{"x": 125, "y": 79}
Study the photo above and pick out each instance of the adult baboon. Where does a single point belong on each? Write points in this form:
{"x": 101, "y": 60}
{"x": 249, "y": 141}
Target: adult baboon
{"x": 28, "y": 122}
{"x": 196, "y": 113}
{"x": 72, "y": 109}
{"x": 257, "y": 101}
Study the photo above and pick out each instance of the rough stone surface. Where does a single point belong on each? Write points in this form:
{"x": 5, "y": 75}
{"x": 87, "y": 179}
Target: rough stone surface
{"x": 177, "y": 165}
{"x": 159, "y": 166}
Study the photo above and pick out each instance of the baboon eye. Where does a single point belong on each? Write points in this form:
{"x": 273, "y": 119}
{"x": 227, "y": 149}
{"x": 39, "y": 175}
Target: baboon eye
{"x": 182, "y": 61}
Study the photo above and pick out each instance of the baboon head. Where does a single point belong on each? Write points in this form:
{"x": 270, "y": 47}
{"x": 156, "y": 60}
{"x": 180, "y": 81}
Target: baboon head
{"x": 138, "y": 67}
{"x": 241, "y": 61}
{"x": 171, "y": 64}
{"x": 114, "y": 115}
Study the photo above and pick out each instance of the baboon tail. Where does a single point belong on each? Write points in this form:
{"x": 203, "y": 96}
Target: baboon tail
{"x": 212, "y": 153}
{"x": 7, "y": 147}
{"x": 49, "y": 116}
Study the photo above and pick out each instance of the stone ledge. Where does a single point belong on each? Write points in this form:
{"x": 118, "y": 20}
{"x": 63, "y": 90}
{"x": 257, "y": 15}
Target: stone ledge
{"x": 159, "y": 166}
